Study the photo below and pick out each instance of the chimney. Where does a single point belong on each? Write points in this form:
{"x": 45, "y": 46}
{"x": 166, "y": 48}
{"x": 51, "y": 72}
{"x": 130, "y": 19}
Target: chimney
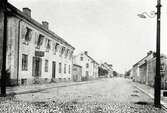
{"x": 86, "y": 52}
{"x": 45, "y": 24}
{"x": 27, "y": 11}
{"x": 148, "y": 53}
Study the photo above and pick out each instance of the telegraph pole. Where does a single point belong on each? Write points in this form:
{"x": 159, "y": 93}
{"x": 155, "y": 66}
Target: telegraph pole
{"x": 3, "y": 70}
{"x": 157, "y": 82}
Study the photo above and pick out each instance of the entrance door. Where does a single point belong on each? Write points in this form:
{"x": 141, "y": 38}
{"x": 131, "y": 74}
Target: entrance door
{"x": 36, "y": 68}
{"x": 53, "y": 69}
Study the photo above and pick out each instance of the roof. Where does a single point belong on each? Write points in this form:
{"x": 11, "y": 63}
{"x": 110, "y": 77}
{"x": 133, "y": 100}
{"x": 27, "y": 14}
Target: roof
{"x": 154, "y": 53}
{"x": 142, "y": 59}
{"x": 92, "y": 59}
{"x": 13, "y": 10}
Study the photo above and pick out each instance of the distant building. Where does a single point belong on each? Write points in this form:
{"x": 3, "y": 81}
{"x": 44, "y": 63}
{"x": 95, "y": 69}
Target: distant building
{"x": 34, "y": 53}
{"x": 88, "y": 64}
{"x": 77, "y": 72}
{"x": 144, "y": 71}
{"x": 109, "y": 69}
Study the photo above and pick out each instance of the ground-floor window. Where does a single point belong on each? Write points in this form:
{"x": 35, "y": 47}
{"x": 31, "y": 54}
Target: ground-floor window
{"x": 64, "y": 68}
{"x": 24, "y": 62}
{"x": 59, "y": 67}
{"x": 69, "y": 69}
{"x": 46, "y": 65}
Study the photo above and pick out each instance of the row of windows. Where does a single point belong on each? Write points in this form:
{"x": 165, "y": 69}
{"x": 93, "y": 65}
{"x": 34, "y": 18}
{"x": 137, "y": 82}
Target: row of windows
{"x": 40, "y": 39}
{"x": 25, "y": 65}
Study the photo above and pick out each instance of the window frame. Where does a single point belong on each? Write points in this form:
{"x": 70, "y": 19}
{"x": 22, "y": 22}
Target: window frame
{"x": 24, "y": 62}
{"x": 46, "y": 65}
{"x": 60, "y": 67}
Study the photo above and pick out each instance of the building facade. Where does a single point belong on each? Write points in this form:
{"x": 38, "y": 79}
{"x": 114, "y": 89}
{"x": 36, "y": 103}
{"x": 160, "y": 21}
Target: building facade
{"x": 109, "y": 68}
{"x": 88, "y": 64}
{"x": 144, "y": 71}
{"x": 34, "y": 53}
{"x": 77, "y": 72}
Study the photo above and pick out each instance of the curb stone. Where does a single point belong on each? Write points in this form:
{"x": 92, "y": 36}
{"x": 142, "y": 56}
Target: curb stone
{"x": 164, "y": 105}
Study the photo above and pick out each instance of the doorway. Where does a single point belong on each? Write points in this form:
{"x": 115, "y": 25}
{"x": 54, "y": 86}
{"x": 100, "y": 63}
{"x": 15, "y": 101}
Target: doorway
{"x": 37, "y": 66}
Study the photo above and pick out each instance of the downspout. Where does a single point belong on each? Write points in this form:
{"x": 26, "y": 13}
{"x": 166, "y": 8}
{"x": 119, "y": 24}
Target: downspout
{"x": 18, "y": 51}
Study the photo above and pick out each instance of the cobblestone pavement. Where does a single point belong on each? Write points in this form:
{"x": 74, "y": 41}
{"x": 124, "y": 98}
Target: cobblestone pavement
{"x": 115, "y": 95}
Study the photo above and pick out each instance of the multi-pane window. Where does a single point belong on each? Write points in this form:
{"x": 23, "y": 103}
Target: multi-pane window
{"x": 71, "y": 53}
{"x": 64, "y": 68}
{"x": 40, "y": 40}
{"x": 69, "y": 69}
{"x": 48, "y": 44}
{"x": 24, "y": 62}
{"x": 28, "y": 35}
{"x": 56, "y": 47}
{"x": 46, "y": 65}
{"x": 66, "y": 53}
{"x": 59, "y": 67}
{"x": 62, "y": 51}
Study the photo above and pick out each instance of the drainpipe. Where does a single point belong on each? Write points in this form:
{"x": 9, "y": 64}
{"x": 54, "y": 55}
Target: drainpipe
{"x": 18, "y": 51}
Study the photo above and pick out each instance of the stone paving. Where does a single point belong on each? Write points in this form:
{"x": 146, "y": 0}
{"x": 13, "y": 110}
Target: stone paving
{"x": 116, "y": 95}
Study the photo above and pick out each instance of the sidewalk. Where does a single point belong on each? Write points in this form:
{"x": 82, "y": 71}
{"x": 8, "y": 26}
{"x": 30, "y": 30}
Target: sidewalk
{"x": 150, "y": 92}
{"x": 39, "y": 87}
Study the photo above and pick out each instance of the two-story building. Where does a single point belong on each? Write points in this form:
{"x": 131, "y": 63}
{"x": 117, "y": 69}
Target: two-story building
{"x": 144, "y": 70}
{"x": 88, "y": 64}
{"x": 34, "y": 53}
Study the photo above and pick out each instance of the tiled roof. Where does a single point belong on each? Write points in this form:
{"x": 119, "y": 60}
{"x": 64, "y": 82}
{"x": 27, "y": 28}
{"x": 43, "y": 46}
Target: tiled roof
{"x": 13, "y": 10}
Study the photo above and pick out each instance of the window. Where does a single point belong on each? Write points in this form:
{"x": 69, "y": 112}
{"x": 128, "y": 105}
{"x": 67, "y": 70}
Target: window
{"x": 24, "y": 62}
{"x": 59, "y": 67}
{"x": 46, "y": 65}
{"x": 62, "y": 51}
{"x": 66, "y": 53}
{"x": 28, "y": 35}
{"x": 48, "y": 44}
{"x": 55, "y": 47}
{"x": 71, "y": 53}
{"x": 81, "y": 58}
{"x": 64, "y": 68}
{"x": 87, "y": 65}
{"x": 69, "y": 69}
{"x": 40, "y": 40}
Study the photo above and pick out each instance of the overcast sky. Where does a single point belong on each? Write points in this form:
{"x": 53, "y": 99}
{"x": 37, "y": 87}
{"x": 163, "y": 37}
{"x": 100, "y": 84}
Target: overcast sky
{"x": 109, "y": 30}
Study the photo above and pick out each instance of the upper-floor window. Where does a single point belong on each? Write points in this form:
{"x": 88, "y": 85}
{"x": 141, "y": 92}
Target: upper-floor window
{"x": 62, "y": 51}
{"x": 56, "y": 47}
{"x": 66, "y": 53}
{"x": 40, "y": 39}
{"x": 24, "y": 62}
{"x": 48, "y": 44}
{"x": 28, "y": 35}
{"x": 46, "y": 65}
{"x": 70, "y": 56}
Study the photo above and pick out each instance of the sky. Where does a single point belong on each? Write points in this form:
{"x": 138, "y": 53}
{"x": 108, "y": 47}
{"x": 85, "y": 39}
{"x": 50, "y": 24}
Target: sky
{"x": 109, "y": 30}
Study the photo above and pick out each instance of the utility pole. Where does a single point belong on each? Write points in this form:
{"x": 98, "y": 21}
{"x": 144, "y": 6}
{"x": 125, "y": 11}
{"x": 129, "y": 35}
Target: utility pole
{"x": 157, "y": 82}
{"x": 3, "y": 71}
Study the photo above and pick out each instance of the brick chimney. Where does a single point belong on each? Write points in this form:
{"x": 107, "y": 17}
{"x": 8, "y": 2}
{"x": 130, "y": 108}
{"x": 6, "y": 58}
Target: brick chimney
{"x": 86, "y": 52}
{"x": 148, "y": 53}
{"x": 27, "y": 11}
{"x": 45, "y": 24}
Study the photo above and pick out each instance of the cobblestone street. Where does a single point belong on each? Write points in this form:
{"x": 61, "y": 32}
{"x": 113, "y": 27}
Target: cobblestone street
{"x": 115, "y": 95}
